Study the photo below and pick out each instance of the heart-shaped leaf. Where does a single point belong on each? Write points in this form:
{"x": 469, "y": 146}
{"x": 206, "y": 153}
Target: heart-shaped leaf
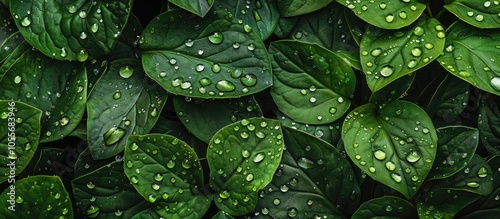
{"x": 489, "y": 117}
{"x": 198, "y": 7}
{"x": 386, "y": 207}
{"x": 386, "y": 14}
{"x": 468, "y": 55}
{"x": 206, "y": 58}
{"x": 307, "y": 181}
{"x": 456, "y": 147}
{"x": 289, "y": 8}
{"x": 311, "y": 84}
{"x": 31, "y": 80}
{"x": 69, "y": 31}
{"x": 387, "y": 55}
{"x": 260, "y": 15}
{"x": 19, "y": 134}
{"x": 36, "y": 197}
{"x": 395, "y": 145}
{"x": 94, "y": 191}
{"x": 204, "y": 118}
{"x": 479, "y": 14}
{"x": 166, "y": 172}
{"x": 242, "y": 158}
{"x": 123, "y": 102}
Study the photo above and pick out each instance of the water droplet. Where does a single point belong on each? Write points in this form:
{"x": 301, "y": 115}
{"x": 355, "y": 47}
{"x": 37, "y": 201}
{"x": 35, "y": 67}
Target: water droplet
{"x": 225, "y": 86}
{"x": 189, "y": 42}
{"x": 390, "y": 166}
{"x": 72, "y": 9}
{"x": 249, "y": 177}
{"x": 64, "y": 121}
{"x": 26, "y": 21}
{"x": 388, "y": 208}
{"x": 412, "y": 63}
{"x": 479, "y": 17}
{"x": 151, "y": 198}
{"x": 83, "y": 14}
{"x": 403, "y": 15}
{"x": 134, "y": 146}
{"x": 200, "y": 67}
{"x": 495, "y": 83}
{"x": 382, "y": 5}
{"x": 429, "y": 46}
{"x": 292, "y": 212}
{"x": 126, "y": 71}
{"x": 117, "y": 95}
{"x": 113, "y": 135}
{"x": 155, "y": 187}
{"x": 251, "y": 47}
{"x": 94, "y": 28}
{"x": 258, "y": 158}
{"x": 216, "y": 38}
{"x": 389, "y": 18}
{"x": 416, "y": 52}
{"x": 305, "y": 163}
{"x": 473, "y": 184}
{"x": 441, "y": 35}
{"x": 82, "y": 55}
{"x": 90, "y": 185}
{"x": 247, "y": 28}
{"x": 413, "y": 157}
{"x": 380, "y": 155}
{"x": 386, "y": 71}
{"x": 396, "y": 177}
{"x": 376, "y": 52}
{"x": 170, "y": 164}
{"x": 92, "y": 212}
{"x": 482, "y": 172}
{"x": 17, "y": 79}
{"x": 249, "y": 80}
{"x": 118, "y": 213}
{"x": 224, "y": 194}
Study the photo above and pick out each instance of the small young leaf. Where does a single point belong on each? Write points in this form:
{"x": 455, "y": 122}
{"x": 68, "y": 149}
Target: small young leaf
{"x": 311, "y": 84}
{"x": 242, "y": 158}
{"x": 456, "y": 147}
{"x": 206, "y": 58}
{"x": 260, "y": 15}
{"x": 395, "y": 145}
{"x": 19, "y": 134}
{"x": 307, "y": 181}
{"x": 468, "y": 55}
{"x": 289, "y": 8}
{"x": 387, "y": 55}
{"x": 93, "y": 192}
{"x": 198, "y": 7}
{"x": 36, "y": 197}
{"x": 386, "y": 207}
{"x": 204, "y": 118}
{"x": 489, "y": 117}
{"x": 443, "y": 203}
{"x": 70, "y": 31}
{"x": 31, "y": 80}
{"x": 479, "y": 14}
{"x": 386, "y": 14}
{"x": 123, "y": 102}
{"x": 166, "y": 172}
{"x": 450, "y": 98}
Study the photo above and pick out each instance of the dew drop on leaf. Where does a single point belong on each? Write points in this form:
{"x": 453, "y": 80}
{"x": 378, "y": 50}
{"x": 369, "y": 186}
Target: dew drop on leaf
{"x": 305, "y": 163}
{"x": 413, "y": 157}
{"x": 17, "y": 79}
{"x": 482, "y": 172}
{"x": 258, "y": 158}
{"x": 113, "y": 135}
{"x": 26, "y": 21}
{"x": 126, "y": 71}
{"x": 386, "y": 71}
{"x": 216, "y": 38}
{"x": 495, "y": 83}
{"x": 396, "y": 177}
{"x": 380, "y": 155}
{"x": 225, "y": 86}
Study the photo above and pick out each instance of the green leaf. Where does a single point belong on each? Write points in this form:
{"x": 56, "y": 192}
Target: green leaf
{"x": 85, "y": 164}
{"x": 450, "y": 98}
{"x": 242, "y": 158}
{"x": 475, "y": 177}
{"x": 8, "y": 43}
{"x": 386, "y": 207}
{"x": 392, "y": 91}
{"x": 123, "y": 102}
{"x": 94, "y": 191}
{"x": 443, "y": 203}
{"x": 261, "y": 16}
{"x": 487, "y": 205}
{"x": 53, "y": 161}
{"x": 205, "y": 58}
{"x": 307, "y": 181}
{"x": 386, "y": 14}
{"x": 203, "y": 118}
{"x": 289, "y": 8}
{"x": 327, "y": 28}
{"x": 20, "y": 131}
{"x": 479, "y": 14}
{"x": 456, "y": 147}
{"x": 70, "y": 31}
{"x": 198, "y": 7}
{"x": 222, "y": 215}
{"x": 36, "y": 197}
{"x": 285, "y": 26}
{"x": 387, "y": 55}
{"x": 469, "y": 56}
{"x": 311, "y": 84}
{"x": 58, "y": 88}
{"x": 166, "y": 172}
{"x": 395, "y": 145}
{"x": 328, "y": 132}
{"x": 489, "y": 117}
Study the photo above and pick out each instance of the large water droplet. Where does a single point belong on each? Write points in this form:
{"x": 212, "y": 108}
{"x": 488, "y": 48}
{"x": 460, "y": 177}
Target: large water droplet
{"x": 390, "y": 166}
{"x": 376, "y": 52}
{"x": 482, "y": 172}
{"x": 413, "y": 157}
{"x": 126, "y": 71}
{"x": 236, "y": 73}
{"x": 305, "y": 163}
{"x": 216, "y": 38}
{"x": 387, "y": 71}
{"x": 396, "y": 177}
{"x": 292, "y": 212}
{"x": 495, "y": 83}
{"x": 258, "y": 158}
{"x": 225, "y": 86}
{"x": 17, "y": 79}
{"x": 224, "y": 194}
{"x": 380, "y": 155}
{"x": 416, "y": 52}
{"x": 26, "y": 21}
{"x": 82, "y": 55}
{"x": 92, "y": 212}
{"x": 113, "y": 135}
